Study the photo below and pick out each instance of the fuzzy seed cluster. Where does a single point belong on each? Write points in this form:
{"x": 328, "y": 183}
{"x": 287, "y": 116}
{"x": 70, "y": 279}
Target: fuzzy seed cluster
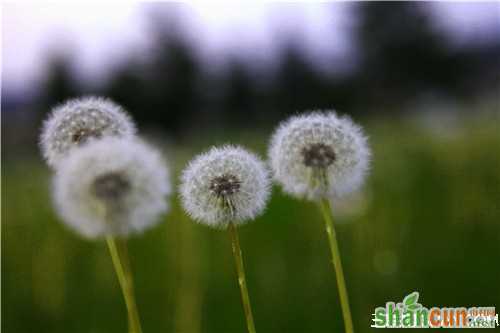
{"x": 79, "y": 121}
{"x": 319, "y": 154}
{"x": 111, "y": 187}
{"x": 226, "y": 184}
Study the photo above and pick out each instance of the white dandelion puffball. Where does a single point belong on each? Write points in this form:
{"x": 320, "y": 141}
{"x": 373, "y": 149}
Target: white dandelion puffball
{"x": 318, "y": 155}
{"x": 226, "y": 184}
{"x": 111, "y": 187}
{"x": 78, "y": 121}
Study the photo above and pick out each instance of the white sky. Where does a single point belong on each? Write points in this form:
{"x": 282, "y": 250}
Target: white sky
{"x": 97, "y": 35}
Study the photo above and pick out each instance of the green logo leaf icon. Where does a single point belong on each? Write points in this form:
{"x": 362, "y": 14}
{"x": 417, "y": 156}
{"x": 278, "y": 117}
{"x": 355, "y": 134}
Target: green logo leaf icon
{"x": 410, "y": 301}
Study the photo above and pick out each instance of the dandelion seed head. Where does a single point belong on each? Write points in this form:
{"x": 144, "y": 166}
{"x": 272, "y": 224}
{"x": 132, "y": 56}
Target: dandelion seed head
{"x": 79, "y": 121}
{"x": 111, "y": 186}
{"x": 226, "y": 184}
{"x": 319, "y": 154}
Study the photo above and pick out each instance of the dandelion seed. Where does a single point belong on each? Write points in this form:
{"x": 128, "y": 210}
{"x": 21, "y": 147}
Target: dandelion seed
{"x": 225, "y": 184}
{"x": 318, "y": 155}
{"x": 79, "y": 121}
{"x": 111, "y": 187}
{"x": 223, "y": 188}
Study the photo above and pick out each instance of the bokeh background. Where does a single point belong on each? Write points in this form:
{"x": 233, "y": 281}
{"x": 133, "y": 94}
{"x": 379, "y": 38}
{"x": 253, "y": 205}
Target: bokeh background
{"x": 422, "y": 78}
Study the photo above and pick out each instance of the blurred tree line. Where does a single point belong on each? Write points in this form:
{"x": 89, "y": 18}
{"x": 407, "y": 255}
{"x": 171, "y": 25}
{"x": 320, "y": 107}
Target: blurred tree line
{"x": 401, "y": 56}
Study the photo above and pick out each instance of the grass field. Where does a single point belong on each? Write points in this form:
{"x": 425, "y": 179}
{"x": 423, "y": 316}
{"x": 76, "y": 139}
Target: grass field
{"x": 428, "y": 220}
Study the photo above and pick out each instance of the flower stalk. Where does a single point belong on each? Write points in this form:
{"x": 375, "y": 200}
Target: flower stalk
{"x": 119, "y": 256}
{"x": 240, "y": 270}
{"x": 324, "y": 205}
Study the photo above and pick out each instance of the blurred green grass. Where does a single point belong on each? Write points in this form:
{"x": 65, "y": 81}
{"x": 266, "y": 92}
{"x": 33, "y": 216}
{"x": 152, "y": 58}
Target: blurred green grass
{"x": 428, "y": 220}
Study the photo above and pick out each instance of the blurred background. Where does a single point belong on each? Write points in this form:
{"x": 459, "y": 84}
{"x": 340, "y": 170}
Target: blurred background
{"x": 422, "y": 78}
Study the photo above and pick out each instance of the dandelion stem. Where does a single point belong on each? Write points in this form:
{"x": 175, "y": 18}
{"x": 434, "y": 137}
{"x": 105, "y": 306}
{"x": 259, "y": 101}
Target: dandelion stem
{"x": 240, "y": 270}
{"x": 119, "y": 255}
{"x": 325, "y": 208}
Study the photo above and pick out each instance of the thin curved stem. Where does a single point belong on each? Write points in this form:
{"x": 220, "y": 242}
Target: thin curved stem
{"x": 189, "y": 292}
{"x": 326, "y": 210}
{"x": 119, "y": 255}
{"x": 240, "y": 270}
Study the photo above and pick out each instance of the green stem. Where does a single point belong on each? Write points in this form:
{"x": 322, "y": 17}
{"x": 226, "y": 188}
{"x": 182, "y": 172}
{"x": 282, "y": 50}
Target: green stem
{"x": 240, "y": 270}
{"x": 337, "y": 265}
{"x": 119, "y": 255}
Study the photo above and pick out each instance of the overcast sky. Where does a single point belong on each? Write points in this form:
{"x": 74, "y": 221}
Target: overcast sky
{"x": 99, "y": 35}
